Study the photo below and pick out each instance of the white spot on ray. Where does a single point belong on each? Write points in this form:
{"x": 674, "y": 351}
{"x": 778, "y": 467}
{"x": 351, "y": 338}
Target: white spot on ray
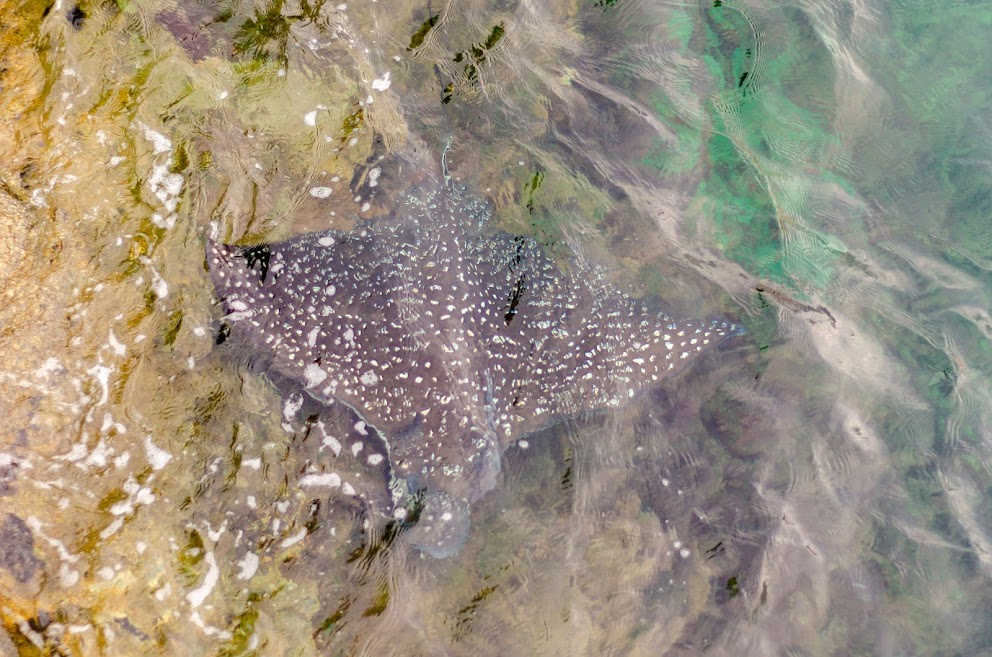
{"x": 292, "y": 406}
{"x": 330, "y": 442}
{"x": 314, "y": 375}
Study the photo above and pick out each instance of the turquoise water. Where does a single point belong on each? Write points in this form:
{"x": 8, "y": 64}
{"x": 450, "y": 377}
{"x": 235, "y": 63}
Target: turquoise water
{"x": 820, "y": 172}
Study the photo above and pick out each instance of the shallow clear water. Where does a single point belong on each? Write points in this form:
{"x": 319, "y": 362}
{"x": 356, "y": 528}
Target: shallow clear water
{"x": 819, "y": 171}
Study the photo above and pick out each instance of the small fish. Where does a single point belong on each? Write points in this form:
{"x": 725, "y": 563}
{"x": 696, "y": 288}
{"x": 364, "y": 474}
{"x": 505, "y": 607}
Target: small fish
{"x": 448, "y": 339}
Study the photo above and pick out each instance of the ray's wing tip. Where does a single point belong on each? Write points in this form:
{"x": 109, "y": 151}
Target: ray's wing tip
{"x": 218, "y": 254}
{"x": 214, "y": 246}
{"x": 728, "y": 329}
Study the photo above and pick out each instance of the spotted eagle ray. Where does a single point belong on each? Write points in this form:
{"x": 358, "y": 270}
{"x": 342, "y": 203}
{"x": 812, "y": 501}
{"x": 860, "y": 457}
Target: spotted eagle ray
{"x": 448, "y": 339}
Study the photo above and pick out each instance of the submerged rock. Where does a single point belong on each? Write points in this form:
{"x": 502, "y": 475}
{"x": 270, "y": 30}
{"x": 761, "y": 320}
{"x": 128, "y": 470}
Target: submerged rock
{"x": 17, "y": 549}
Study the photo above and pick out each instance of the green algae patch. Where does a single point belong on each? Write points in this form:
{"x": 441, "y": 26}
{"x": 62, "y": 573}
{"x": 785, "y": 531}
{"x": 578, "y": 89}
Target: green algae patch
{"x": 672, "y": 159}
{"x": 351, "y": 123}
{"x": 379, "y": 602}
{"x": 265, "y": 34}
{"x": 417, "y": 38}
{"x": 765, "y": 152}
{"x": 331, "y": 623}
{"x": 680, "y": 27}
{"x": 742, "y": 214}
{"x": 172, "y": 327}
{"x": 190, "y": 556}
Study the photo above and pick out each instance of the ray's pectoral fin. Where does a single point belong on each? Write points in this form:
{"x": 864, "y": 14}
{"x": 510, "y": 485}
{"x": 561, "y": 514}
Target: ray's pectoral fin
{"x": 341, "y": 454}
